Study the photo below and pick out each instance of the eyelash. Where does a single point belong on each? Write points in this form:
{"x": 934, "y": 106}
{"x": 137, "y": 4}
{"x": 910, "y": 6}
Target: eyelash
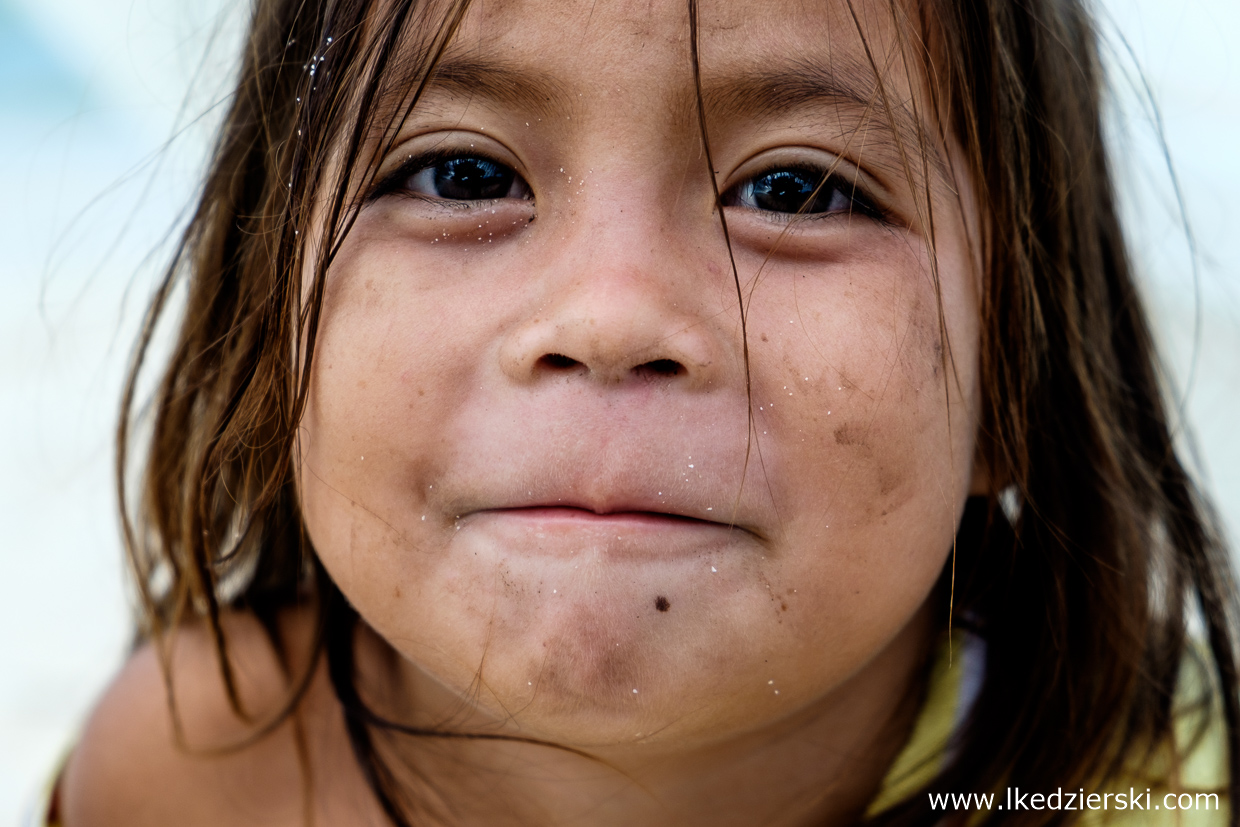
{"x": 397, "y": 182}
{"x": 826, "y": 187}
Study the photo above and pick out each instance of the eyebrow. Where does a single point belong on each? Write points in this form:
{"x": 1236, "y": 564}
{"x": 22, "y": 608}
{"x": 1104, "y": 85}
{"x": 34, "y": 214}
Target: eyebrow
{"x": 846, "y": 85}
{"x": 474, "y": 77}
{"x": 791, "y": 85}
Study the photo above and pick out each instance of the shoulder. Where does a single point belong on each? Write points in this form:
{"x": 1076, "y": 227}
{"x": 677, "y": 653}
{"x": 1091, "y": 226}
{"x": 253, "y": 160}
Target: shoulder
{"x": 139, "y": 763}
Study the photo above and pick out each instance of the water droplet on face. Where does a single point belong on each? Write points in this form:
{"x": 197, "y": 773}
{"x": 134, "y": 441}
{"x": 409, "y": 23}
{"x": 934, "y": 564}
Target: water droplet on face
{"x": 634, "y": 691}
{"x": 714, "y": 570}
{"x": 770, "y": 683}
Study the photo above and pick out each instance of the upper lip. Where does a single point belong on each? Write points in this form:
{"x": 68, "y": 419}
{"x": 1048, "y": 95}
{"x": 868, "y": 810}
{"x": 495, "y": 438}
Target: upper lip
{"x": 662, "y": 457}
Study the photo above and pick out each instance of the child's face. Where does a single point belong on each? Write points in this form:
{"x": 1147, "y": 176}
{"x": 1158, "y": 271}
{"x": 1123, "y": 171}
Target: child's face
{"x": 533, "y": 458}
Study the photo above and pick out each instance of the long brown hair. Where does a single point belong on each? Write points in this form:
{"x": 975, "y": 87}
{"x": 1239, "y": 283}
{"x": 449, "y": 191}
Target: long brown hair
{"x": 1082, "y": 582}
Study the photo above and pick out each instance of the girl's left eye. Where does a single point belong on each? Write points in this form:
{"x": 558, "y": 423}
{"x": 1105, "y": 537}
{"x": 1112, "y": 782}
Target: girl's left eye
{"x": 799, "y": 191}
{"x": 460, "y": 178}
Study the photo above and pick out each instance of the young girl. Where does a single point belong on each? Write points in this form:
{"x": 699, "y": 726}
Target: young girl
{"x": 647, "y": 413}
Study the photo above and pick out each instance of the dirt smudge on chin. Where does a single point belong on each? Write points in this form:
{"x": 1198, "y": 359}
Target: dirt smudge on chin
{"x": 851, "y": 435}
{"x": 586, "y": 663}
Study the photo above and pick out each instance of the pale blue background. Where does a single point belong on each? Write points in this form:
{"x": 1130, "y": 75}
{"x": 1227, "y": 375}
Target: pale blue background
{"x": 90, "y": 93}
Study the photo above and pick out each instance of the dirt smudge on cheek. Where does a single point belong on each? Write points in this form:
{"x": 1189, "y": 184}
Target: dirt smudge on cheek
{"x": 889, "y": 480}
{"x": 921, "y": 351}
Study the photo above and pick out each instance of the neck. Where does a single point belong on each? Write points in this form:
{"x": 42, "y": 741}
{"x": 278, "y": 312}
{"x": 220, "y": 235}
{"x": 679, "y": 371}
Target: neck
{"x": 821, "y": 765}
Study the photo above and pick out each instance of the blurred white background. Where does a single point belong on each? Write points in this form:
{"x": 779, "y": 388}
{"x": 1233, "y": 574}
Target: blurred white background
{"x": 101, "y": 143}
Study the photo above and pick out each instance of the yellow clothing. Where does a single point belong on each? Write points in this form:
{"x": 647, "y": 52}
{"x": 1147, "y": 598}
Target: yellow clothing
{"x": 953, "y": 688}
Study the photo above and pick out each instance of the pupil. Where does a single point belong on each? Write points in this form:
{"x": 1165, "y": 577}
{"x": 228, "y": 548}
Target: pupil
{"x": 789, "y": 191}
{"x": 472, "y": 179}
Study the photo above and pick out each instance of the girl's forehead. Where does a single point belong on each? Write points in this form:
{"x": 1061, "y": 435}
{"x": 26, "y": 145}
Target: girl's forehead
{"x": 853, "y": 37}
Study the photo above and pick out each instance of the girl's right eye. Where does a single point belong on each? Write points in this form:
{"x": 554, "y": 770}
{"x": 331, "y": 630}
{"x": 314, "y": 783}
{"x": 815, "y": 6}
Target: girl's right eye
{"x": 457, "y": 178}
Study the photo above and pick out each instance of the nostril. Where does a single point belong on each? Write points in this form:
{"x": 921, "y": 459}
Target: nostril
{"x": 559, "y": 361}
{"x": 661, "y": 367}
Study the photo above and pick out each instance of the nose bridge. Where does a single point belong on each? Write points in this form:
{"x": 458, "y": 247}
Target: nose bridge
{"x": 627, "y": 301}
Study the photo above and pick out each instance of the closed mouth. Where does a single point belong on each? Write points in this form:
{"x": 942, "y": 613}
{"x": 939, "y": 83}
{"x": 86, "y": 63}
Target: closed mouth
{"x": 569, "y": 512}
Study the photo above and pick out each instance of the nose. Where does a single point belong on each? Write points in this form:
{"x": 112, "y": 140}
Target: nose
{"x": 615, "y": 318}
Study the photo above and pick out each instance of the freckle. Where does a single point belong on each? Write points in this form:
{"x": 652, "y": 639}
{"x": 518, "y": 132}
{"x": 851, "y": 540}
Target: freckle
{"x": 661, "y": 603}
{"x": 783, "y": 607}
{"x": 396, "y": 591}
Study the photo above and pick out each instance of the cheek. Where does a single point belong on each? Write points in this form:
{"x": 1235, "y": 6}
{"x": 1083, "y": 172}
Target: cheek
{"x": 384, "y": 371}
{"x": 849, "y": 391}
{"x": 867, "y": 447}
